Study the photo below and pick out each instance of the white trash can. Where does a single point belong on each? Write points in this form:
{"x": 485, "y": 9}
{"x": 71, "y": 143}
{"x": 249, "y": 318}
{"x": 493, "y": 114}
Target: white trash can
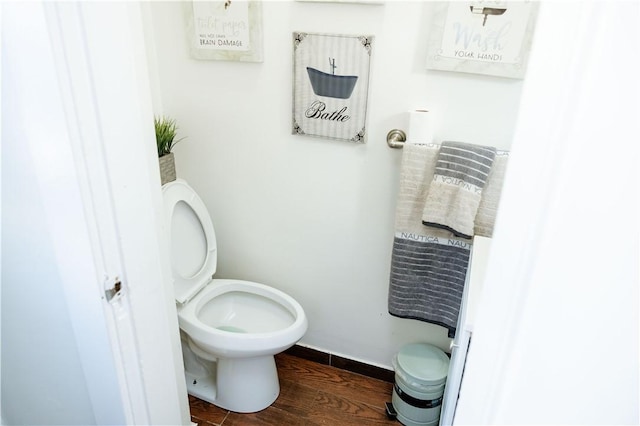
{"x": 420, "y": 375}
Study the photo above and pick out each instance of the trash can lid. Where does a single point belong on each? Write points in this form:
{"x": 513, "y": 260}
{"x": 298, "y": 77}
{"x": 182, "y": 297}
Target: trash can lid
{"x": 424, "y": 362}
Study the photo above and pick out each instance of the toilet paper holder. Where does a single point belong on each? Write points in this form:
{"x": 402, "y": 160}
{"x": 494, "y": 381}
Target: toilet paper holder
{"x": 396, "y": 138}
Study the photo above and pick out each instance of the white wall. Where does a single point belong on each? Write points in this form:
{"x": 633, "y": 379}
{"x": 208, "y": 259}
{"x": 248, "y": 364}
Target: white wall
{"x": 309, "y": 216}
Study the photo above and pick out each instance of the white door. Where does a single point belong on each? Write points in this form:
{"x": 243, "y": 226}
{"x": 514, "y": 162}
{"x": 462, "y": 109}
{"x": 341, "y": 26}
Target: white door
{"x": 460, "y": 345}
{"x": 556, "y": 336}
{"x": 82, "y": 219}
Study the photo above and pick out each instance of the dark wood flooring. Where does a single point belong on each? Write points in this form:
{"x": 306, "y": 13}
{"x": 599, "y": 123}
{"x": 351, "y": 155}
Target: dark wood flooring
{"x": 310, "y": 394}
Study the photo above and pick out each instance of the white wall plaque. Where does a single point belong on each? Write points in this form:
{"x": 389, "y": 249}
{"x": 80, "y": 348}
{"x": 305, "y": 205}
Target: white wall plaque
{"x": 331, "y": 85}
{"x": 228, "y": 30}
{"x": 482, "y": 37}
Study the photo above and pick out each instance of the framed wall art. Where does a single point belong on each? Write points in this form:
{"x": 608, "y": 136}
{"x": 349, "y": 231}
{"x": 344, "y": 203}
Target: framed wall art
{"x": 331, "y": 85}
{"x": 228, "y": 30}
{"x": 482, "y": 37}
{"x": 345, "y": 1}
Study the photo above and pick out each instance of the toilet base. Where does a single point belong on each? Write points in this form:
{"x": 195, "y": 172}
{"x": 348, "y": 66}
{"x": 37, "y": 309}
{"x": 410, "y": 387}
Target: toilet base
{"x": 243, "y": 385}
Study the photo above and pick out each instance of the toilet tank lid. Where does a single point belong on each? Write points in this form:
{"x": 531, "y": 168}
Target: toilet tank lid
{"x": 185, "y": 287}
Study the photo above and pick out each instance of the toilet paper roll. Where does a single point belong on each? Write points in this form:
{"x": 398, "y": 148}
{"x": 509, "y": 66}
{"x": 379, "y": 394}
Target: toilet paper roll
{"x": 420, "y": 126}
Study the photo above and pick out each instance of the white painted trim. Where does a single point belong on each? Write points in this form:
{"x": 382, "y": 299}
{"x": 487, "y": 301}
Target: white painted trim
{"x": 1, "y": 418}
{"x": 152, "y": 57}
{"x": 1, "y": 44}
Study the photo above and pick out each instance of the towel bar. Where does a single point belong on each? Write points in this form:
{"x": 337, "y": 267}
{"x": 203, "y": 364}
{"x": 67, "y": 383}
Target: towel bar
{"x": 396, "y": 139}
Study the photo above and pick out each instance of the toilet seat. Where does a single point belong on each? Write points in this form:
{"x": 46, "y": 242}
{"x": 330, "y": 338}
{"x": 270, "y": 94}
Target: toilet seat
{"x": 239, "y": 344}
{"x": 192, "y": 238}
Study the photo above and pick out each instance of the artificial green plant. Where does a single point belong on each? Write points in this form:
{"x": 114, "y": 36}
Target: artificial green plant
{"x": 166, "y": 131}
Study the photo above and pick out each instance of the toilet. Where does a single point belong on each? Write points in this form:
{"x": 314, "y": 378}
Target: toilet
{"x": 230, "y": 330}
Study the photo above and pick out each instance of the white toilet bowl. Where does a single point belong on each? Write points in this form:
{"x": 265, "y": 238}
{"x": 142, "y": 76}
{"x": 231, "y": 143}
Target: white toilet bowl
{"x": 230, "y": 329}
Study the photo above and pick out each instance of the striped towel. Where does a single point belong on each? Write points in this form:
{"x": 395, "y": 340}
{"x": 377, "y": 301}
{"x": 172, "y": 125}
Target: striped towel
{"x": 455, "y": 193}
{"x": 488, "y": 208}
{"x": 428, "y": 265}
{"x": 428, "y": 274}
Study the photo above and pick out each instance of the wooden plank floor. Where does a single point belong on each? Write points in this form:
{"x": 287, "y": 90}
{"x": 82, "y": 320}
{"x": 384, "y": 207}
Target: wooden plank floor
{"x": 310, "y": 394}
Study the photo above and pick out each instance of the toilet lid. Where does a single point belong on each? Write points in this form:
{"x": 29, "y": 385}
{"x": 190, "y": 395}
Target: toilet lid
{"x": 192, "y": 239}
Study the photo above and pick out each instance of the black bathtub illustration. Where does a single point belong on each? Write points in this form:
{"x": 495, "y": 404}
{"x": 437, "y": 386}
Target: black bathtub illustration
{"x": 331, "y": 85}
{"x": 486, "y": 11}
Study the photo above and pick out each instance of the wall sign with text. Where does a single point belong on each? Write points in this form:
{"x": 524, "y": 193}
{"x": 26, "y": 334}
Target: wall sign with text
{"x": 482, "y": 37}
{"x": 331, "y": 85}
{"x": 228, "y": 30}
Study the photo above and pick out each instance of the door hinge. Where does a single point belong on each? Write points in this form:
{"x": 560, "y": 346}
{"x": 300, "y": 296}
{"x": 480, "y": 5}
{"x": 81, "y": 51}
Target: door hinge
{"x": 114, "y": 287}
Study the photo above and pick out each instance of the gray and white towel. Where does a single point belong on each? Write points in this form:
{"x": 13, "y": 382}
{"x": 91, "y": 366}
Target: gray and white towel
{"x": 488, "y": 208}
{"x": 429, "y": 265}
{"x": 461, "y": 173}
{"x": 428, "y": 274}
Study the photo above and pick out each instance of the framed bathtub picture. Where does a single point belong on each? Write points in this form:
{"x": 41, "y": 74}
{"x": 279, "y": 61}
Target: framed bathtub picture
{"x": 480, "y": 37}
{"x": 222, "y": 30}
{"x": 331, "y": 85}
